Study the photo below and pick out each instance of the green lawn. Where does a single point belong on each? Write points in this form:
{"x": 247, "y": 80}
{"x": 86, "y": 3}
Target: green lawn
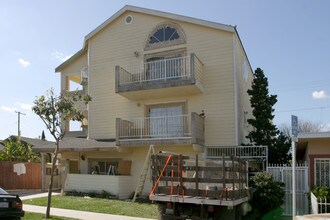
{"x": 108, "y": 206}
{"x": 37, "y": 216}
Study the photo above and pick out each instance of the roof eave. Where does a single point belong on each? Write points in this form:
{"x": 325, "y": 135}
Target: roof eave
{"x": 70, "y": 60}
{"x": 168, "y": 15}
{"x": 183, "y": 18}
{"x": 313, "y": 135}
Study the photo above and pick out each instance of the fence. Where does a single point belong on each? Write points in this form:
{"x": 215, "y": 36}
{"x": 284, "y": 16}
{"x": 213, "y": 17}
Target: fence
{"x": 20, "y": 175}
{"x": 319, "y": 205}
{"x": 283, "y": 174}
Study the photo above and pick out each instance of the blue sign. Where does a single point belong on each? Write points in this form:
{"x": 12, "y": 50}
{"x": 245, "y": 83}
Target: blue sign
{"x": 294, "y": 125}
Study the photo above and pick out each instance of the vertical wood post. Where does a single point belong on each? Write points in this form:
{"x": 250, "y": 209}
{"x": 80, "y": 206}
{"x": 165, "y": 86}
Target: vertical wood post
{"x": 224, "y": 174}
{"x": 233, "y": 174}
{"x": 196, "y": 177}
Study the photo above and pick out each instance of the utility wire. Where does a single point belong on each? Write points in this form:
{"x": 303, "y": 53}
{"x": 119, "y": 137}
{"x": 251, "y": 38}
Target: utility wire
{"x": 303, "y": 109}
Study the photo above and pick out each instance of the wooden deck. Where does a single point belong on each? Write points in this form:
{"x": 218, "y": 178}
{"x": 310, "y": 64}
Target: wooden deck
{"x": 177, "y": 178}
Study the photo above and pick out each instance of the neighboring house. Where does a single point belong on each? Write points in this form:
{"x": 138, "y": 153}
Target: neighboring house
{"x": 155, "y": 78}
{"x": 27, "y": 141}
{"x": 314, "y": 148}
{"x": 2, "y": 146}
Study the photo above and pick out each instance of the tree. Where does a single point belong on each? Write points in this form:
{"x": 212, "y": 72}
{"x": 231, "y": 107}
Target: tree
{"x": 15, "y": 151}
{"x": 303, "y": 126}
{"x": 280, "y": 151}
{"x": 262, "y": 103}
{"x": 53, "y": 111}
{"x": 264, "y": 131}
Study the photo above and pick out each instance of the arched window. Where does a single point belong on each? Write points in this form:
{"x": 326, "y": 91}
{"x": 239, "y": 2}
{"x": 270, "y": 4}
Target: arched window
{"x": 165, "y": 34}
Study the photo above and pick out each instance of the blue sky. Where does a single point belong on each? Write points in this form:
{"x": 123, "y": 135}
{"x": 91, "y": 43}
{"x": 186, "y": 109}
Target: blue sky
{"x": 289, "y": 40}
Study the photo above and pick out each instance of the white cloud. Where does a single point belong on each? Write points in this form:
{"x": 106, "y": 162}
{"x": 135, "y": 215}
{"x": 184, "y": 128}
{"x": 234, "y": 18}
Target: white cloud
{"x": 320, "y": 95}
{"x": 325, "y": 127}
{"x": 60, "y": 56}
{"x": 24, "y": 63}
{"x": 24, "y": 106}
{"x": 8, "y": 109}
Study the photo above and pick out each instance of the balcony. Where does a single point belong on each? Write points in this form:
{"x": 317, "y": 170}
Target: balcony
{"x": 161, "y": 78}
{"x": 77, "y": 128}
{"x": 173, "y": 130}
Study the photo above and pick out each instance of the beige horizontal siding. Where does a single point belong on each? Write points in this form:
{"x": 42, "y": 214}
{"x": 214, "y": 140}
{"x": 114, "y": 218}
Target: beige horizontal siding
{"x": 76, "y": 66}
{"x": 116, "y": 44}
{"x": 243, "y": 98}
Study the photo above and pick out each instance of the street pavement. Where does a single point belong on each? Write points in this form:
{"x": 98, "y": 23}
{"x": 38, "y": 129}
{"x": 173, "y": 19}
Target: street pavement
{"x": 71, "y": 213}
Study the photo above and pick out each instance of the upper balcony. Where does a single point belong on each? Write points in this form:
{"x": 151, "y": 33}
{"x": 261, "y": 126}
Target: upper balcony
{"x": 161, "y": 78}
{"x": 165, "y": 130}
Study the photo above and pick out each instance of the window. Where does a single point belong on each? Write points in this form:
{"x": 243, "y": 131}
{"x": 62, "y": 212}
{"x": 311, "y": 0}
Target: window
{"x": 165, "y": 34}
{"x": 322, "y": 172}
{"x": 167, "y": 121}
{"x": 104, "y": 166}
{"x": 165, "y": 66}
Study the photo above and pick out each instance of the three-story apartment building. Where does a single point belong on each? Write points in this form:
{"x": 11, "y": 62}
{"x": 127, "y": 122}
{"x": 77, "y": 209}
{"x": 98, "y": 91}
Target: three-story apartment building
{"x": 155, "y": 78}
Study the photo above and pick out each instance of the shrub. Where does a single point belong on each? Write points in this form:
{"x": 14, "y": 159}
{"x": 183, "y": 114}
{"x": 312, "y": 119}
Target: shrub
{"x": 322, "y": 192}
{"x": 268, "y": 194}
{"x": 105, "y": 194}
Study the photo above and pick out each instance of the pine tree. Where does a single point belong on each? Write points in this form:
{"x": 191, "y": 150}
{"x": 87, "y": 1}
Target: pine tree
{"x": 264, "y": 132}
{"x": 279, "y": 152}
{"x": 262, "y": 103}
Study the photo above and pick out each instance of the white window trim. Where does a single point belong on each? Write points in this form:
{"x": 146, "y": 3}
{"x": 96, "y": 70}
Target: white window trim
{"x": 315, "y": 160}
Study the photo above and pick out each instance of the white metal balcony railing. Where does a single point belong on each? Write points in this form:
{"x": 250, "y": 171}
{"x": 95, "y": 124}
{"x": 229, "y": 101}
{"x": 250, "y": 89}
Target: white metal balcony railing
{"x": 244, "y": 152}
{"x": 154, "y": 127}
{"x": 164, "y": 69}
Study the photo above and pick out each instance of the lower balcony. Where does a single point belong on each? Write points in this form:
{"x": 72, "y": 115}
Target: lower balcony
{"x": 164, "y": 130}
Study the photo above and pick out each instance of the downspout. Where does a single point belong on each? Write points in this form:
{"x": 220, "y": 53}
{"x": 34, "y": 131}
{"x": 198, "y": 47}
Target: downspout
{"x": 235, "y": 90}
{"x": 88, "y": 87}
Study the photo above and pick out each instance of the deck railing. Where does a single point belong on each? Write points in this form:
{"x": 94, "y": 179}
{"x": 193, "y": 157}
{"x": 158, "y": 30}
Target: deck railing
{"x": 188, "y": 67}
{"x": 154, "y": 127}
{"x": 243, "y": 152}
{"x": 164, "y": 127}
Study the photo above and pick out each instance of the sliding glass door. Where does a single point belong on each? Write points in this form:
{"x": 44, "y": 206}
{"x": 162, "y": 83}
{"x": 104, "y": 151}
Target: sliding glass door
{"x": 166, "y": 122}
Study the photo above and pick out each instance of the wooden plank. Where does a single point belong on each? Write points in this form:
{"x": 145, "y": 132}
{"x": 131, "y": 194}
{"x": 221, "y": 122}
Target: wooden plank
{"x": 210, "y": 194}
{"x": 200, "y": 180}
{"x": 196, "y": 177}
{"x": 224, "y": 173}
{"x": 234, "y": 174}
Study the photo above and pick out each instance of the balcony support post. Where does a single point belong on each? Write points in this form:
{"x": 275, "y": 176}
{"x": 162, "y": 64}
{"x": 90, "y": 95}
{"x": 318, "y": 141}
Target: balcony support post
{"x": 117, "y": 78}
{"x": 192, "y": 68}
{"x": 118, "y": 126}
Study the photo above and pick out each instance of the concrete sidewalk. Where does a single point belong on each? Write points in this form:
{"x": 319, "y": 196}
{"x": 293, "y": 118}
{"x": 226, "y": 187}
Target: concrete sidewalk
{"x": 37, "y": 195}
{"x": 71, "y": 213}
{"x": 78, "y": 214}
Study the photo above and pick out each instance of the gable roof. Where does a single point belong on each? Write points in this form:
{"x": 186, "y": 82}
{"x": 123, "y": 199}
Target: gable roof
{"x": 168, "y": 15}
{"x": 27, "y": 140}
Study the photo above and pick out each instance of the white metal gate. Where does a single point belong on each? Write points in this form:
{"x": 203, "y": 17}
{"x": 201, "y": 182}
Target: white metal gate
{"x": 284, "y": 174}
